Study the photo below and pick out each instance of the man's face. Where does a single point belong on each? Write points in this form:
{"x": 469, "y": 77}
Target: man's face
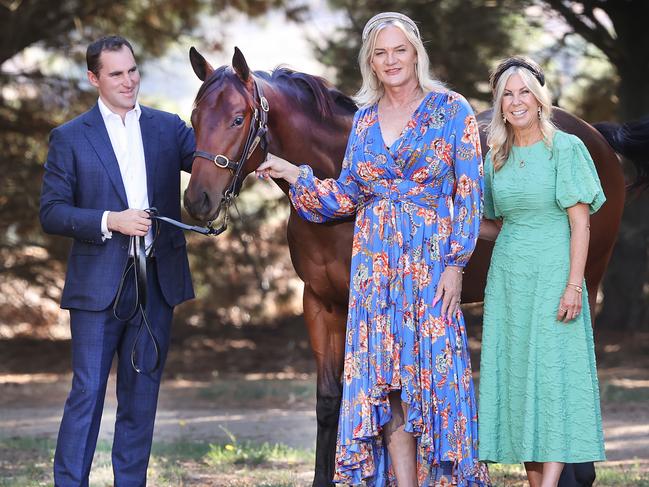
{"x": 118, "y": 80}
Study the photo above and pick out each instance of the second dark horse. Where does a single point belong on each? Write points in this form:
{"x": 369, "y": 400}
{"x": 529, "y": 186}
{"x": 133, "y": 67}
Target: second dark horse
{"x": 309, "y": 122}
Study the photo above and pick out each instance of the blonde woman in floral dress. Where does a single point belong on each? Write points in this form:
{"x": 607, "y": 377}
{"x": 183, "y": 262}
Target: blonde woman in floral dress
{"x": 412, "y": 176}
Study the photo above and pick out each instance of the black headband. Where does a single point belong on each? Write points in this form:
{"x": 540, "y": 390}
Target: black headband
{"x": 517, "y": 62}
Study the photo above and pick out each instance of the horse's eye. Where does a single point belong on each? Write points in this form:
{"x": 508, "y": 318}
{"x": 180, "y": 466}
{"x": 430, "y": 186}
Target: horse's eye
{"x": 238, "y": 121}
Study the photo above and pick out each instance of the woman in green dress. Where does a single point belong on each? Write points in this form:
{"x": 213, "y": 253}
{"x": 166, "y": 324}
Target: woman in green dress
{"x": 539, "y": 396}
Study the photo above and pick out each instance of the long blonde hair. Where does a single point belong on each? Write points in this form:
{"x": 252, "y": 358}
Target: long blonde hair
{"x": 371, "y": 89}
{"x": 500, "y": 138}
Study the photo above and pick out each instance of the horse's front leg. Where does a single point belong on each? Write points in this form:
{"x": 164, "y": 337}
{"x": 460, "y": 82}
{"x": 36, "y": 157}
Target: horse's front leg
{"x": 326, "y": 324}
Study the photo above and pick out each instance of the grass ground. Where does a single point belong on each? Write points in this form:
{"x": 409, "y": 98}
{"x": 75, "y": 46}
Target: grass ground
{"x": 235, "y": 464}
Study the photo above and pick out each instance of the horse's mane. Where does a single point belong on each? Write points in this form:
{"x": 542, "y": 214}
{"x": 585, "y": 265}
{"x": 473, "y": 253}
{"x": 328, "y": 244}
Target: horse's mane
{"x": 316, "y": 92}
{"x": 631, "y": 140}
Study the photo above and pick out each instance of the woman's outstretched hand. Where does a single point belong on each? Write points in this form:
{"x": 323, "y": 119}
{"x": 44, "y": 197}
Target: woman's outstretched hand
{"x": 276, "y": 167}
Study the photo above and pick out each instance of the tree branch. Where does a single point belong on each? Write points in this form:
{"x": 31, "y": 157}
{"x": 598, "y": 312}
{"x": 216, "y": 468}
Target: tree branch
{"x": 592, "y": 31}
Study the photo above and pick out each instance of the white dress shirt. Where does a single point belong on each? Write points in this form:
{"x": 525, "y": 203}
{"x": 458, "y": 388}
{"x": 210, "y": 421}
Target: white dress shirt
{"x": 126, "y": 139}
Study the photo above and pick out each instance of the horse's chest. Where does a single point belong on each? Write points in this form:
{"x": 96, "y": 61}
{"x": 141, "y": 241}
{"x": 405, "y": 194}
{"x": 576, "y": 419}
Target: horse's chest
{"x": 321, "y": 255}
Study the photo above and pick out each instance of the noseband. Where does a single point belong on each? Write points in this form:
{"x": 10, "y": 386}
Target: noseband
{"x": 257, "y": 136}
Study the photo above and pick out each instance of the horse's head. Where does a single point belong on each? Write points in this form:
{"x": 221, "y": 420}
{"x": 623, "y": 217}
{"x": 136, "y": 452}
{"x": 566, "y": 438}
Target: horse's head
{"x": 229, "y": 118}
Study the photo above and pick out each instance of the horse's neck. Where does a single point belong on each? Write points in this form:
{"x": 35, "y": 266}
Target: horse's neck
{"x": 303, "y": 138}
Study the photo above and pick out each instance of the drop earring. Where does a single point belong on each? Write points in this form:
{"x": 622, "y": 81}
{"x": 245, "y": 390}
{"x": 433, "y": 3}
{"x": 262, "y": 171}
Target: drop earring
{"x": 538, "y": 112}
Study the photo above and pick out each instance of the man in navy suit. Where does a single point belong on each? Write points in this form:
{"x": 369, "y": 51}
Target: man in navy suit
{"x": 103, "y": 169}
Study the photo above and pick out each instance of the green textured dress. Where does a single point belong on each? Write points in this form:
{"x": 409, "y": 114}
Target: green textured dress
{"x": 539, "y": 395}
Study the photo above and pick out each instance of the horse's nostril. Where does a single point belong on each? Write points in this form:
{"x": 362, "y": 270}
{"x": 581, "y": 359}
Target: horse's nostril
{"x": 206, "y": 201}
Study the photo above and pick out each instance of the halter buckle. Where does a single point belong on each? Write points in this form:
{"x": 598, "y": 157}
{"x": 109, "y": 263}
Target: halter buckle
{"x": 264, "y": 104}
{"x": 225, "y": 162}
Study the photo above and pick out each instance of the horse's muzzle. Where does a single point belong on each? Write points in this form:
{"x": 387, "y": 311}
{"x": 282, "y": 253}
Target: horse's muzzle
{"x": 201, "y": 206}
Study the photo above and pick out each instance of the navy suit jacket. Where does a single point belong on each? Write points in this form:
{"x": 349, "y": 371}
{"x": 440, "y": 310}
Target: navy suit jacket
{"x": 82, "y": 179}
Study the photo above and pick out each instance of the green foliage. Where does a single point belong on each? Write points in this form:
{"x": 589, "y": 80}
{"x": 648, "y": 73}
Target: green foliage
{"x": 68, "y": 25}
{"x": 249, "y": 454}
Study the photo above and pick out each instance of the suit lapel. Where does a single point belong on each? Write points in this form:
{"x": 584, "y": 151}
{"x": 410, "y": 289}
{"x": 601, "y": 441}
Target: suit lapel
{"x": 98, "y": 137}
{"x": 151, "y": 142}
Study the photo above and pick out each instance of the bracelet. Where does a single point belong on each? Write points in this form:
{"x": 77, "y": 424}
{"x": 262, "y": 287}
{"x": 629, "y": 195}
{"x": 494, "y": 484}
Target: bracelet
{"x": 459, "y": 270}
{"x": 303, "y": 171}
{"x": 577, "y": 287}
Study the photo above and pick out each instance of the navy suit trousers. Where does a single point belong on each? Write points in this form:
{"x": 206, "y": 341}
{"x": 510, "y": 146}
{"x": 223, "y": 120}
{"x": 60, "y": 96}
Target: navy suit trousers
{"x": 97, "y": 336}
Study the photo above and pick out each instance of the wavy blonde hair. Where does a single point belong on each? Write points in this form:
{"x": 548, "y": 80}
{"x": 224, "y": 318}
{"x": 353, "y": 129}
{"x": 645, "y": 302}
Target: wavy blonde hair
{"x": 500, "y": 138}
{"x": 371, "y": 89}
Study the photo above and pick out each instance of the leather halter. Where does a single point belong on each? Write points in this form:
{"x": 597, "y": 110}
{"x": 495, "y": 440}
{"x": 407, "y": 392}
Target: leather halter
{"x": 257, "y": 136}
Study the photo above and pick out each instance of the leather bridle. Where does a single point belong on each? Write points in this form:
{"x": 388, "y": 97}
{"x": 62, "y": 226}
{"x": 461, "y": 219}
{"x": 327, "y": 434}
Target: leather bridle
{"x": 257, "y": 136}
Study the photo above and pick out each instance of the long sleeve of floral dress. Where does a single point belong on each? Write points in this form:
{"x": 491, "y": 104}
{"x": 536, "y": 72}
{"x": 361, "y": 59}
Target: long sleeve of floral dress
{"x": 469, "y": 187}
{"x": 319, "y": 200}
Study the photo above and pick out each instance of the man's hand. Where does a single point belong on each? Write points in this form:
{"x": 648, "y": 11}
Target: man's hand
{"x": 129, "y": 222}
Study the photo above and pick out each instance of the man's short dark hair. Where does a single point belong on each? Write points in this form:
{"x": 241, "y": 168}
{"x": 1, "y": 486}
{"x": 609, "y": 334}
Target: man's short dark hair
{"x": 107, "y": 43}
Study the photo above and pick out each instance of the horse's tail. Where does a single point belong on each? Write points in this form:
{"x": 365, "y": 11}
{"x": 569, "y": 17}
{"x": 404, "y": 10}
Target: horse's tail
{"x": 631, "y": 140}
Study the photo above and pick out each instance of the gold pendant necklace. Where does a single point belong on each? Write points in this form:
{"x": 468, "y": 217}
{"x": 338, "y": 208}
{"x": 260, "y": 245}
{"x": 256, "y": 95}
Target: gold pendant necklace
{"x": 519, "y": 152}
{"x": 518, "y": 157}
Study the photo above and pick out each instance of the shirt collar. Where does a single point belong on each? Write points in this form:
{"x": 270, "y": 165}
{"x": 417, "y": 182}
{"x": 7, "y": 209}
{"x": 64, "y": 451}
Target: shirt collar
{"x": 106, "y": 112}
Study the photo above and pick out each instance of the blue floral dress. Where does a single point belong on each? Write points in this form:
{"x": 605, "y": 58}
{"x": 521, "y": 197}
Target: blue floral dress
{"x": 418, "y": 208}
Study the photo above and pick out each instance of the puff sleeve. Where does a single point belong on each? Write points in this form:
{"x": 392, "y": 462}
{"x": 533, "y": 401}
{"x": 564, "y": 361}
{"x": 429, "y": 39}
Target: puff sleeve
{"x": 577, "y": 180}
{"x": 489, "y": 207}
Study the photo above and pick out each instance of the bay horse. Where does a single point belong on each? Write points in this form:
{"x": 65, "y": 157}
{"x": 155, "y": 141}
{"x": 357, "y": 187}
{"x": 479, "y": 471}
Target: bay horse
{"x": 308, "y": 121}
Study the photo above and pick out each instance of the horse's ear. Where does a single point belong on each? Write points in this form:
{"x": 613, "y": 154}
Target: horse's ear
{"x": 240, "y": 65}
{"x": 201, "y": 67}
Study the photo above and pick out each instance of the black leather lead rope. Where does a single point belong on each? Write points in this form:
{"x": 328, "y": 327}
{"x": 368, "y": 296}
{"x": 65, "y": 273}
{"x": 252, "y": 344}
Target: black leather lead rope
{"x": 208, "y": 230}
{"x": 138, "y": 266}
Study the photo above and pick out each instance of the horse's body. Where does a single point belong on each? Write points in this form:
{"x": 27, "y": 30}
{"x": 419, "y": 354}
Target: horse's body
{"x": 309, "y": 122}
